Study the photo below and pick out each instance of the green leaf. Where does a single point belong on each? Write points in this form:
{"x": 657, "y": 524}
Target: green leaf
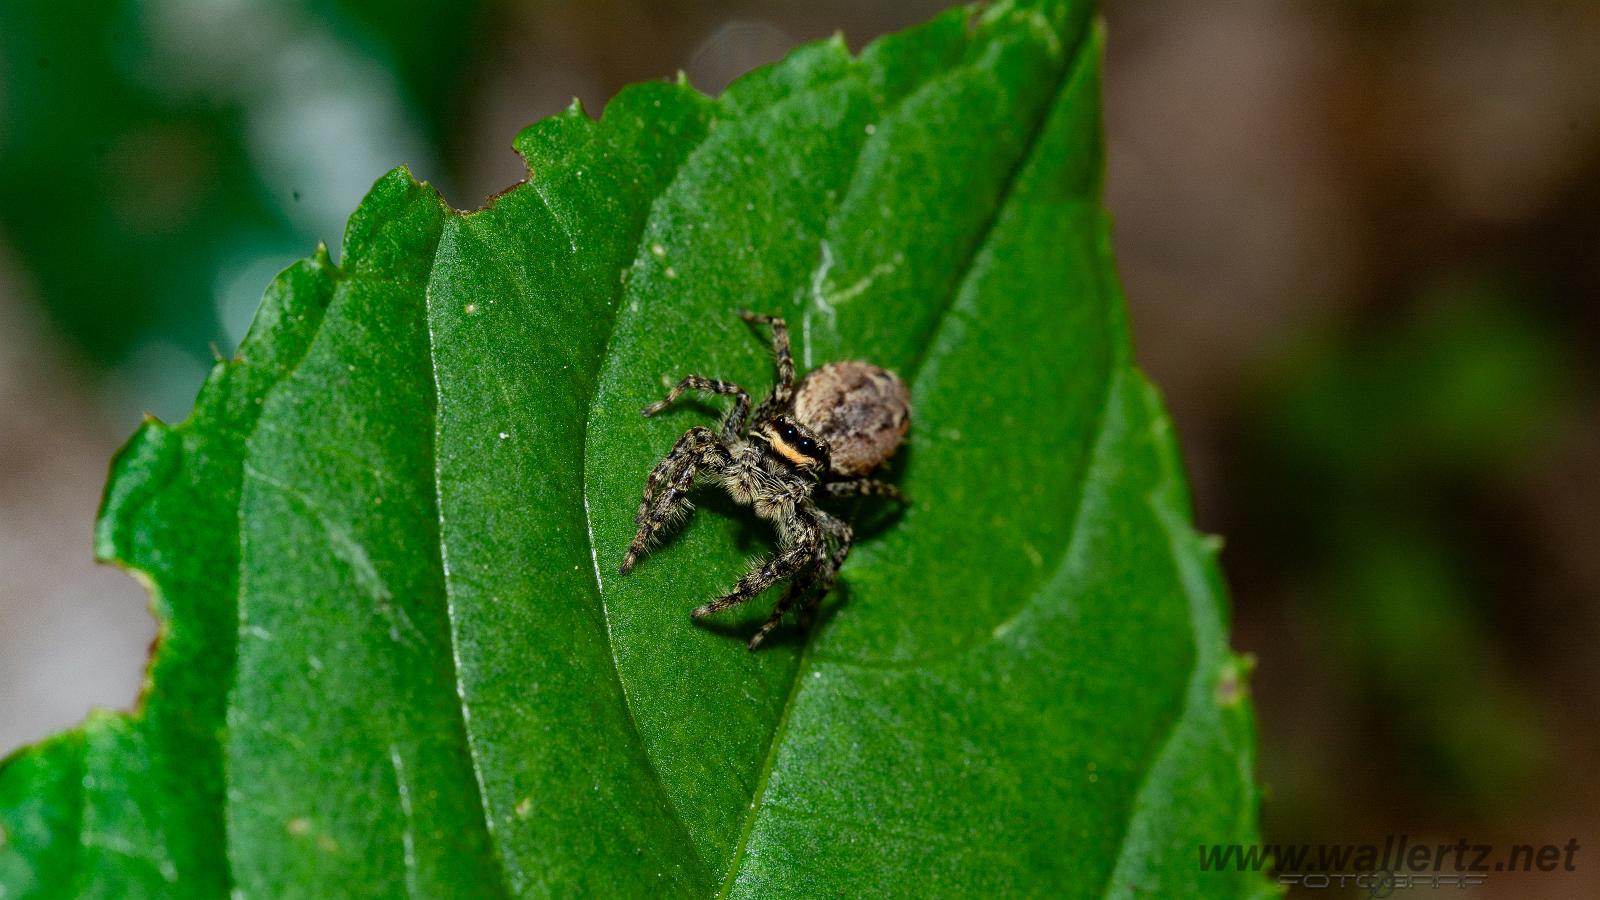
{"x": 396, "y": 659}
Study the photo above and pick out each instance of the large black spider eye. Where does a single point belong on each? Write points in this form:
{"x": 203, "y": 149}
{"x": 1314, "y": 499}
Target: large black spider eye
{"x": 807, "y": 447}
{"x": 787, "y": 432}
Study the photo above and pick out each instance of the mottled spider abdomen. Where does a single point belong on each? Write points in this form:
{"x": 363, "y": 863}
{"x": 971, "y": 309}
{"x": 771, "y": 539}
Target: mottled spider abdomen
{"x": 861, "y": 410}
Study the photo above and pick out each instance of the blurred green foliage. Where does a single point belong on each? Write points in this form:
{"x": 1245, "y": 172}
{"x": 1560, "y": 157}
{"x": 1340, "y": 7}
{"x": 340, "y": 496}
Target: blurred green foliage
{"x": 145, "y": 185}
{"x": 1464, "y": 384}
{"x": 1374, "y": 442}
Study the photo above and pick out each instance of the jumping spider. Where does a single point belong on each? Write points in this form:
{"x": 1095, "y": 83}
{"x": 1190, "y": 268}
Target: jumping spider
{"x": 822, "y": 436}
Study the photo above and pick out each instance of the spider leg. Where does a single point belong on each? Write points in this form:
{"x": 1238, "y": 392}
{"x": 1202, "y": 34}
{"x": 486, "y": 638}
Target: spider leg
{"x": 864, "y": 487}
{"x": 807, "y": 549}
{"x": 828, "y": 575}
{"x": 677, "y": 470}
{"x": 801, "y": 585}
{"x": 733, "y": 424}
{"x": 682, "y": 451}
{"x": 814, "y": 585}
{"x": 783, "y": 391}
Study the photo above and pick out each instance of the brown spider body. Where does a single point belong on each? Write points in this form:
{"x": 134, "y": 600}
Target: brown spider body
{"x": 862, "y": 411}
{"x": 841, "y": 422}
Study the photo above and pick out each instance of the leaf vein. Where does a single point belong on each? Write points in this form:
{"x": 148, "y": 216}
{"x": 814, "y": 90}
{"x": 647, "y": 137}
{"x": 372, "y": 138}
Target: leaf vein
{"x": 613, "y": 308}
{"x": 452, "y": 613}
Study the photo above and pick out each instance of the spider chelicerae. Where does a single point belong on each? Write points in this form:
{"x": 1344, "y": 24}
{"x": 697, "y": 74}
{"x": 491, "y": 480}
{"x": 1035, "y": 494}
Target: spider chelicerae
{"x": 820, "y": 437}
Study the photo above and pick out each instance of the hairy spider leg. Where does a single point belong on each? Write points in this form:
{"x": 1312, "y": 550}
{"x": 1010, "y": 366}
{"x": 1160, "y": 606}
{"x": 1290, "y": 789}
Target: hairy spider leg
{"x": 863, "y": 487}
{"x": 677, "y": 470}
{"x": 692, "y": 440}
{"x": 815, "y": 584}
{"x": 733, "y": 424}
{"x": 843, "y": 536}
{"x": 828, "y": 573}
{"x": 807, "y": 550}
{"x": 783, "y": 391}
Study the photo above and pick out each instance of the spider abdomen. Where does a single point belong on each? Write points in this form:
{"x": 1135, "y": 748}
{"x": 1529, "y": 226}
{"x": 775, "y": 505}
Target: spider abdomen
{"x": 863, "y": 411}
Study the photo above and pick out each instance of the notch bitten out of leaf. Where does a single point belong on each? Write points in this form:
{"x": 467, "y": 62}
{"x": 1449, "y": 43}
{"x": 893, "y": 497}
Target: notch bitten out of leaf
{"x": 395, "y": 658}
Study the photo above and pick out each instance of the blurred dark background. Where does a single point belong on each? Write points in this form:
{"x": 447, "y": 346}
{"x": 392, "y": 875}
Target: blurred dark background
{"x": 1361, "y": 243}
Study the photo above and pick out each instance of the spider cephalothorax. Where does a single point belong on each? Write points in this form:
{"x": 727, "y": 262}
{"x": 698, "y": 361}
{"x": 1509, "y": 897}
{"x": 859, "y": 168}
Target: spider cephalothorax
{"x": 822, "y": 436}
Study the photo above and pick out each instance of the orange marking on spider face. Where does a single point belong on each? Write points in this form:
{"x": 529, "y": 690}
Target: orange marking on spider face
{"x": 790, "y": 453}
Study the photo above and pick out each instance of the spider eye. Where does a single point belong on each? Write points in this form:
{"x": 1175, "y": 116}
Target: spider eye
{"x": 807, "y": 446}
{"x": 787, "y": 432}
